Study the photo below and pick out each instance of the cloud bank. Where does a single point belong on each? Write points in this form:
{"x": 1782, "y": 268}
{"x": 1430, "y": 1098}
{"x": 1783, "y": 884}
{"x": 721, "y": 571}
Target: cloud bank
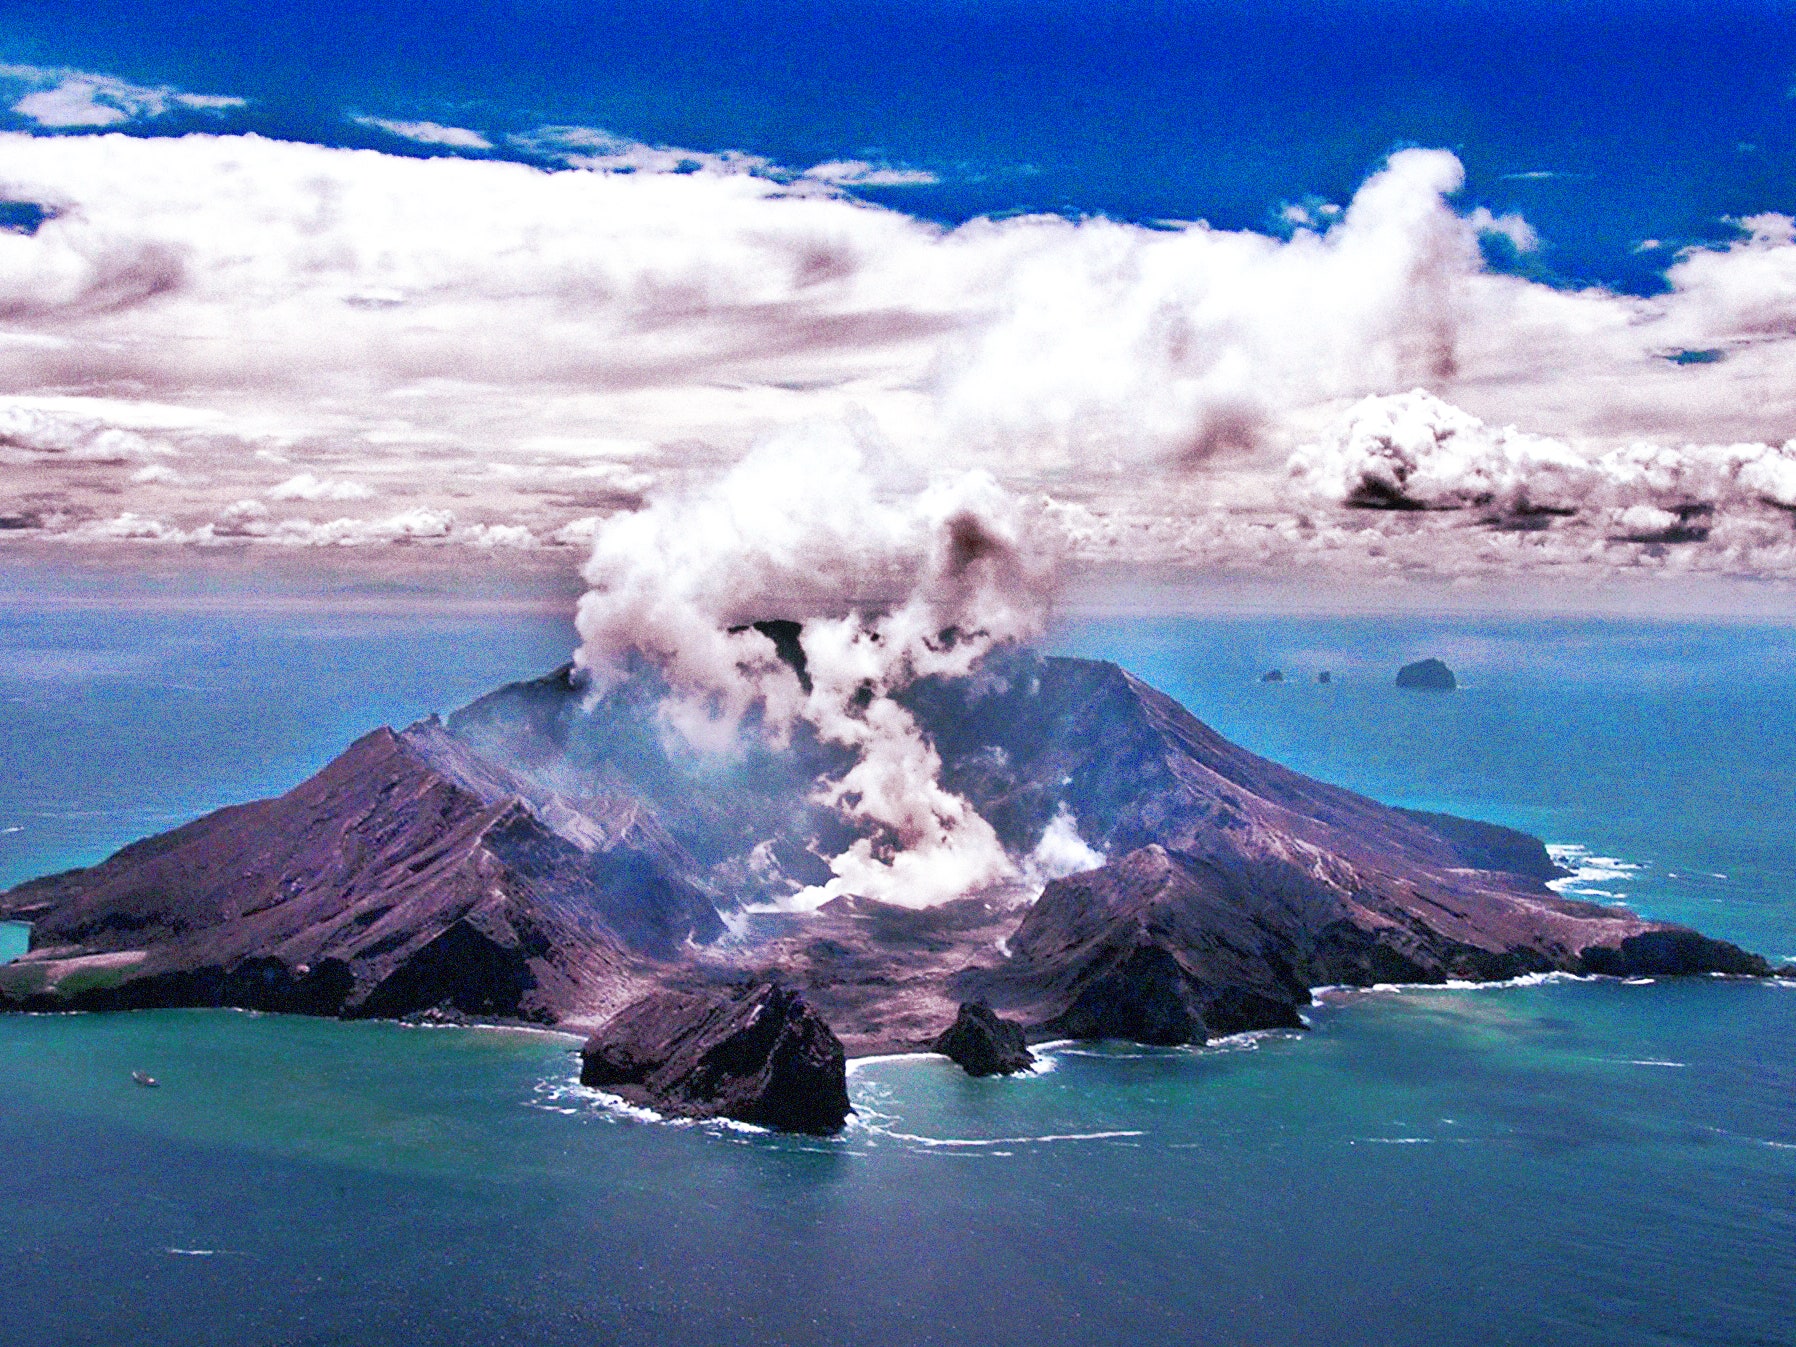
{"x": 470, "y": 353}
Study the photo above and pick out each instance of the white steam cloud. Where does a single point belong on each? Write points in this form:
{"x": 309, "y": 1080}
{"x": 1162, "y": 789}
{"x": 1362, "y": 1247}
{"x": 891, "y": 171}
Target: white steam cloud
{"x": 889, "y": 586}
{"x": 1060, "y": 852}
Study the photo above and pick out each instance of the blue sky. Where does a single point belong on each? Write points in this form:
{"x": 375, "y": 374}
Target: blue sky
{"x": 1607, "y": 124}
{"x": 1480, "y": 289}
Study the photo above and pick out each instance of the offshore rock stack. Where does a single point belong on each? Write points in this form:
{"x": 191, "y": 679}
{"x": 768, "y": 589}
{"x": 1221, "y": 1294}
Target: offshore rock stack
{"x": 759, "y": 1055}
{"x": 1427, "y": 675}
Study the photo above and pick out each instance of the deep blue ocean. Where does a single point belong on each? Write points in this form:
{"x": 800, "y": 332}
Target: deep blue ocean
{"x": 1570, "y": 1162}
{"x": 1606, "y": 122}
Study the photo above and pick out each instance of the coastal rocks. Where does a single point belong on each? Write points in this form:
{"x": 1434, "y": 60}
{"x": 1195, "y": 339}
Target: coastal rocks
{"x": 1146, "y": 997}
{"x": 757, "y": 1054}
{"x": 1427, "y": 675}
{"x": 1672, "y": 951}
{"x": 1489, "y": 846}
{"x": 1153, "y": 947}
{"x": 982, "y": 1044}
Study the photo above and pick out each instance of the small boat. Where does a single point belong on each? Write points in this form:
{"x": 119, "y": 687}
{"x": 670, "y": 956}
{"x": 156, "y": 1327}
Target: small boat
{"x": 144, "y": 1079}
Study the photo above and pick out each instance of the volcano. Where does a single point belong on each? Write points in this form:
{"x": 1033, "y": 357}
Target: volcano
{"x": 551, "y": 854}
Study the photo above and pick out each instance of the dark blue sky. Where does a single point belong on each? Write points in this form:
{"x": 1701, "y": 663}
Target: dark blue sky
{"x": 1654, "y": 120}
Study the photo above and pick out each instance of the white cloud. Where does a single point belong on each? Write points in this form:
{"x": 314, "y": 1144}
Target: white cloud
{"x": 126, "y": 527}
{"x": 408, "y": 526}
{"x": 244, "y": 519}
{"x": 74, "y": 103}
{"x": 1728, "y": 508}
{"x": 158, "y": 472}
{"x": 32, "y": 435}
{"x": 430, "y": 133}
{"x": 578, "y": 532}
{"x": 860, "y": 173}
{"x": 1312, "y": 213}
{"x": 600, "y": 151}
{"x": 498, "y": 536}
{"x": 553, "y": 344}
{"x": 71, "y": 98}
{"x": 1513, "y": 227}
{"x": 306, "y": 486}
{"x": 1411, "y": 451}
{"x": 210, "y": 102}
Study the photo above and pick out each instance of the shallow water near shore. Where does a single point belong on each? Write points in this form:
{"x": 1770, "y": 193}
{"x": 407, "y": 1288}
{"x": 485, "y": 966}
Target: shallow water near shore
{"x": 1572, "y": 1161}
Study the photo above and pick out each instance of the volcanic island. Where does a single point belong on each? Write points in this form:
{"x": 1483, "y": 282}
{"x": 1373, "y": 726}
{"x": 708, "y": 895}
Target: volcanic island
{"x": 549, "y": 855}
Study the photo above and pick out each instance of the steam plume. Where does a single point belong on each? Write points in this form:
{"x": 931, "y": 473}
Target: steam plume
{"x": 890, "y": 585}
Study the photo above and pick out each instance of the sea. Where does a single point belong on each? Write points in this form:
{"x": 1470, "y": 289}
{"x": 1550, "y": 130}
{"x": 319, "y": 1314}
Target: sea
{"x": 1560, "y": 1161}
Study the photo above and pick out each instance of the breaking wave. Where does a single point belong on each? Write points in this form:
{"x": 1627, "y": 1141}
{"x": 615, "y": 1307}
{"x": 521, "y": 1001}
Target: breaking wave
{"x": 1589, "y": 872}
{"x": 1343, "y": 991}
{"x": 574, "y": 1100}
{"x": 1007, "y": 1141}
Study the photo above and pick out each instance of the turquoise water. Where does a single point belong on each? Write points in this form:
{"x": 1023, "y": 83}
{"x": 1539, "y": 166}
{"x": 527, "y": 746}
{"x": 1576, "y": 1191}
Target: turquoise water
{"x": 15, "y": 937}
{"x": 1571, "y": 1162}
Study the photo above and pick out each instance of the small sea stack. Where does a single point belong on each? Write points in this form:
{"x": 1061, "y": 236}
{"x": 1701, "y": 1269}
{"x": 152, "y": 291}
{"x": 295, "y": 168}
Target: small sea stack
{"x": 1325, "y": 677}
{"x": 757, "y": 1054}
{"x": 982, "y": 1044}
{"x": 1427, "y": 675}
{"x": 1272, "y": 676}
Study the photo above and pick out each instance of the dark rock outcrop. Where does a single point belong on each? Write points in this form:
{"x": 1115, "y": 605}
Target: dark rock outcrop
{"x": 1154, "y": 947}
{"x": 759, "y": 1055}
{"x": 1427, "y": 675}
{"x": 981, "y": 1044}
{"x": 1673, "y": 951}
{"x": 1488, "y": 846}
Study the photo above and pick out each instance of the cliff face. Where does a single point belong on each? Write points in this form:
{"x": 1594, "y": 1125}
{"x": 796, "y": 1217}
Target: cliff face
{"x": 405, "y": 876}
{"x": 757, "y": 1054}
{"x": 541, "y": 858}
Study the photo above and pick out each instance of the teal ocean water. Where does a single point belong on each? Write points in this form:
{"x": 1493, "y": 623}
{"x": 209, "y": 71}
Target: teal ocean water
{"x": 1566, "y": 1162}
